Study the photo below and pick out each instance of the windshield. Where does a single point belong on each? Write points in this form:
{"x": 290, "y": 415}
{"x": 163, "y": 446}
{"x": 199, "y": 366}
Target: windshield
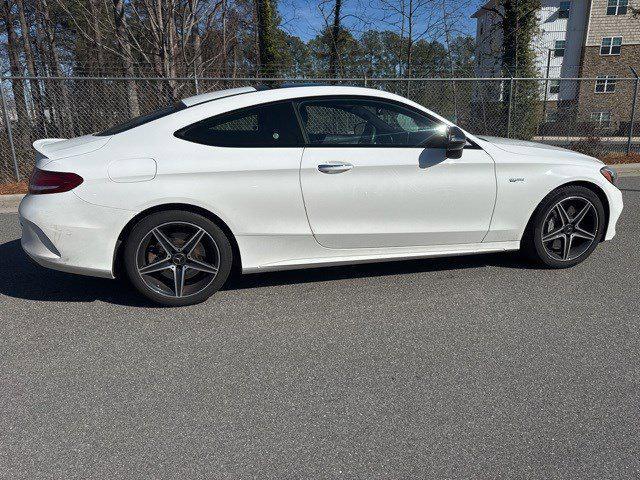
{"x": 142, "y": 119}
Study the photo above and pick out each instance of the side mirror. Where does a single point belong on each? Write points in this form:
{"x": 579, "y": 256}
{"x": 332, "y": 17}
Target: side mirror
{"x": 456, "y": 140}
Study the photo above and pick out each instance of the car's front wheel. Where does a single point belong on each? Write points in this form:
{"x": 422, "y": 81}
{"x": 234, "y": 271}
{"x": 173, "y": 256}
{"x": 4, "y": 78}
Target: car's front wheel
{"x": 566, "y": 227}
{"x": 177, "y": 258}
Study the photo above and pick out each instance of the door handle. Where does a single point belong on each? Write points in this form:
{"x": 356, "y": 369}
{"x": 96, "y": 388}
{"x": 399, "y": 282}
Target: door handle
{"x": 334, "y": 167}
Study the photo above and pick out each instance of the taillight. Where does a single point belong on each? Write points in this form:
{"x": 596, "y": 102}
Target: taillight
{"x": 610, "y": 174}
{"x": 45, "y": 181}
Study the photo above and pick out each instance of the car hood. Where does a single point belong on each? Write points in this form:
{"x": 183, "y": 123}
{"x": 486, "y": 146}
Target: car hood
{"x": 525, "y": 147}
{"x": 57, "y": 148}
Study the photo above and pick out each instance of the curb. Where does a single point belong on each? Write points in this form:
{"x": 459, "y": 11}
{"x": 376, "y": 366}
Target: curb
{"x": 9, "y": 203}
{"x": 627, "y": 169}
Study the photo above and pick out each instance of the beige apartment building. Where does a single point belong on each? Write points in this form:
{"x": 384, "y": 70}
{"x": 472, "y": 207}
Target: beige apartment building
{"x": 598, "y": 39}
{"x": 611, "y": 47}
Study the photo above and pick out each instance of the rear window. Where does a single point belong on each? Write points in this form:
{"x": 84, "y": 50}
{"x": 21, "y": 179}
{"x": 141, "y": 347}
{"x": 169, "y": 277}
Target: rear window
{"x": 270, "y": 125}
{"x": 142, "y": 119}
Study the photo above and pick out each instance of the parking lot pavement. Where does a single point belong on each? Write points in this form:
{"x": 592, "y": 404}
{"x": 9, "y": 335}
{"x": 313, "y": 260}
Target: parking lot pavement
{"x": 470, "y": 367}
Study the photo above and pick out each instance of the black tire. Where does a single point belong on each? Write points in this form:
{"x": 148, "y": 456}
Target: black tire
{"x": 143, "y": 244}
{"x": 547, "y": 253}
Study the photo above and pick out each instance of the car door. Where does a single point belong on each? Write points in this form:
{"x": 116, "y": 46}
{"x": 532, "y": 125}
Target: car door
{"x": 374, "y": 173}
{"x": 243, "y": 164}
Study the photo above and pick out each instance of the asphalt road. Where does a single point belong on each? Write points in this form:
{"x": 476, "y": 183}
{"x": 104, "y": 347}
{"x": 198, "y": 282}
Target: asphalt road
{"x": 471, "y": 367}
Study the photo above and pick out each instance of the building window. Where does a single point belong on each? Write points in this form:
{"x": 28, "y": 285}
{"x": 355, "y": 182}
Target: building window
{"x": 558, "y": 51}
{"x": 617, "y": 7}
{"x": 563, "y": 11}
{"x": 554, "y": 86}
{"x": 605, "y": 84}
{"x": 603, "y": 119}
{"x": 611, "y": 46}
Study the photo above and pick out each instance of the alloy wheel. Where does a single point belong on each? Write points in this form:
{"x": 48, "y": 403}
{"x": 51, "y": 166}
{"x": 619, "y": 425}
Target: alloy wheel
{"x": 570, "y": 228}
{"x": 178, "y": 259}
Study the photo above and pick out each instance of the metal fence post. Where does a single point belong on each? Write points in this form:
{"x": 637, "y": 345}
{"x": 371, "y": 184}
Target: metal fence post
{"x": 509, "y": 108}
{"x": 633, "y": 110}
{"x": 9, "y": 132}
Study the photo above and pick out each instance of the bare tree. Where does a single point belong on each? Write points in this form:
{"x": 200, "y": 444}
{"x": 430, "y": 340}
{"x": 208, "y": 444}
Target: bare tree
{"x": 120, "y": 30}
{"x": 415, "y": 20}
{"x": 14, "y": 61}
{"x": 25, "y": 30}
{"x": 60, "y": 99}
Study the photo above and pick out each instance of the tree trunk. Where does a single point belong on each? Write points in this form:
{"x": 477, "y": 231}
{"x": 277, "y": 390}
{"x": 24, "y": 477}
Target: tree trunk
{"x": 225, "y": 61}
{"x": 31, "y": 65}
{"x": 407, "y": 71}
{"x": 125, "y": 48}
{"x": 96, "y": 91}
{"x": 44, "y": 70}
{"x": 94, "y": 6}
{"x": 266, "y": 38}
{"x": 172, "y": 50}
{"x": 335, "y": 32}
{"x": 64, "y": 107}
{"x": 17, "y": 86}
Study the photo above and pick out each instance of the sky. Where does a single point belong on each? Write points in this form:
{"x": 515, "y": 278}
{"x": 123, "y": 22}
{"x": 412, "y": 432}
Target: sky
{"x": 304, "y": 19}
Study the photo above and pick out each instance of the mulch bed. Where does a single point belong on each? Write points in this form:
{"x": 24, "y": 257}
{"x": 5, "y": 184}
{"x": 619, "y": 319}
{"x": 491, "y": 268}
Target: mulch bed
{"x": 613, "y": 159}
{"x": 14, "y": 187}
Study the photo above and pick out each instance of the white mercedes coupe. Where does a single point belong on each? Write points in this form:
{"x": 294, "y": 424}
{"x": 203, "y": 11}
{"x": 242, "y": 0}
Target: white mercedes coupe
{"x": 273, "y": 179}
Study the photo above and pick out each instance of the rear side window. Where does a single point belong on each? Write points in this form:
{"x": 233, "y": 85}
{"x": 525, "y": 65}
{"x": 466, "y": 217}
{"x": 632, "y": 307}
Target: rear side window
{"x": 272, "y": 125}
{"x": 142, "y": 119}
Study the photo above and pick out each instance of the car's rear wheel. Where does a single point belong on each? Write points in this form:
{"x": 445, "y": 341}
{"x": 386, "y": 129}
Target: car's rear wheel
{"x": 566, "y": 227}
{"x": 177, "y": 258}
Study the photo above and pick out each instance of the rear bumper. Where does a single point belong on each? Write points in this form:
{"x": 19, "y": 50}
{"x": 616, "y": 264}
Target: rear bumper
{"x": 63, "y": 232}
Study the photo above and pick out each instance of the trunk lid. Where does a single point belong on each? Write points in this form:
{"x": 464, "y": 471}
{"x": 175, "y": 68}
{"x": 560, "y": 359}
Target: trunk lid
{"x": 56, "y": 148}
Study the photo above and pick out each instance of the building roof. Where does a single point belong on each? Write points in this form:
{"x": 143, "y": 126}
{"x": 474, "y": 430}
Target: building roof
{"x": 482, "y": 10}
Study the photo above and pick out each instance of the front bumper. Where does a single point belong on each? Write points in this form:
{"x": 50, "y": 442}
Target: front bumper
{"x": 63, "y": 232}
{"x": 614, "y": 195}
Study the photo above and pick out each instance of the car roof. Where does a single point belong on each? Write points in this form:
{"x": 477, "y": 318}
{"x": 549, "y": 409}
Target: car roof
{"x": 209, "y": 96}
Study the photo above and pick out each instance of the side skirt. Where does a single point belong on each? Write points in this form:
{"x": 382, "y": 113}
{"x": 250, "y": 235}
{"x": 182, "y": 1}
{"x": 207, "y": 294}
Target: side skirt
{"x": 322, "y": 257}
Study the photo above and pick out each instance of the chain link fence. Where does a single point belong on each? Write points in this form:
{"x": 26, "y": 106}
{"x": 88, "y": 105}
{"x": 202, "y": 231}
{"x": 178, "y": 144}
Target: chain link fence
{"x": 593, "y": 116}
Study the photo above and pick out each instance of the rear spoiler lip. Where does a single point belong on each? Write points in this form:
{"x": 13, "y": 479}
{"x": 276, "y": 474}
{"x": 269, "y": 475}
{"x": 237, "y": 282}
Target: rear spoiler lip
{"x": 40, "y": 145}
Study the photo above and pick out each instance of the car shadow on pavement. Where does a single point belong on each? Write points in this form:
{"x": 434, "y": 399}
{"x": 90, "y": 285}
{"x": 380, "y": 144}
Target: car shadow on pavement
{"x": 378, "y": 269}
{"x": 21, "y": 278}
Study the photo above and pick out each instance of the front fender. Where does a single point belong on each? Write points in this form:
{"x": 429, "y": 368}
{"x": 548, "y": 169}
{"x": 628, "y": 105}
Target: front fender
{"x": 521, "y": 187}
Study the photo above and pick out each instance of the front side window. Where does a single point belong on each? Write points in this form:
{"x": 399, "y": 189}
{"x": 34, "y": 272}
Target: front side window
{"x": 563, "y": 11}
{"x": 272, "y": 125}
{"x": 611, "y": 46}
{"x": 617, "y": 7}
{"x": 558, "y": 51}
{"x": 605, "y": 84}
{"x": 368, "y": 123}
